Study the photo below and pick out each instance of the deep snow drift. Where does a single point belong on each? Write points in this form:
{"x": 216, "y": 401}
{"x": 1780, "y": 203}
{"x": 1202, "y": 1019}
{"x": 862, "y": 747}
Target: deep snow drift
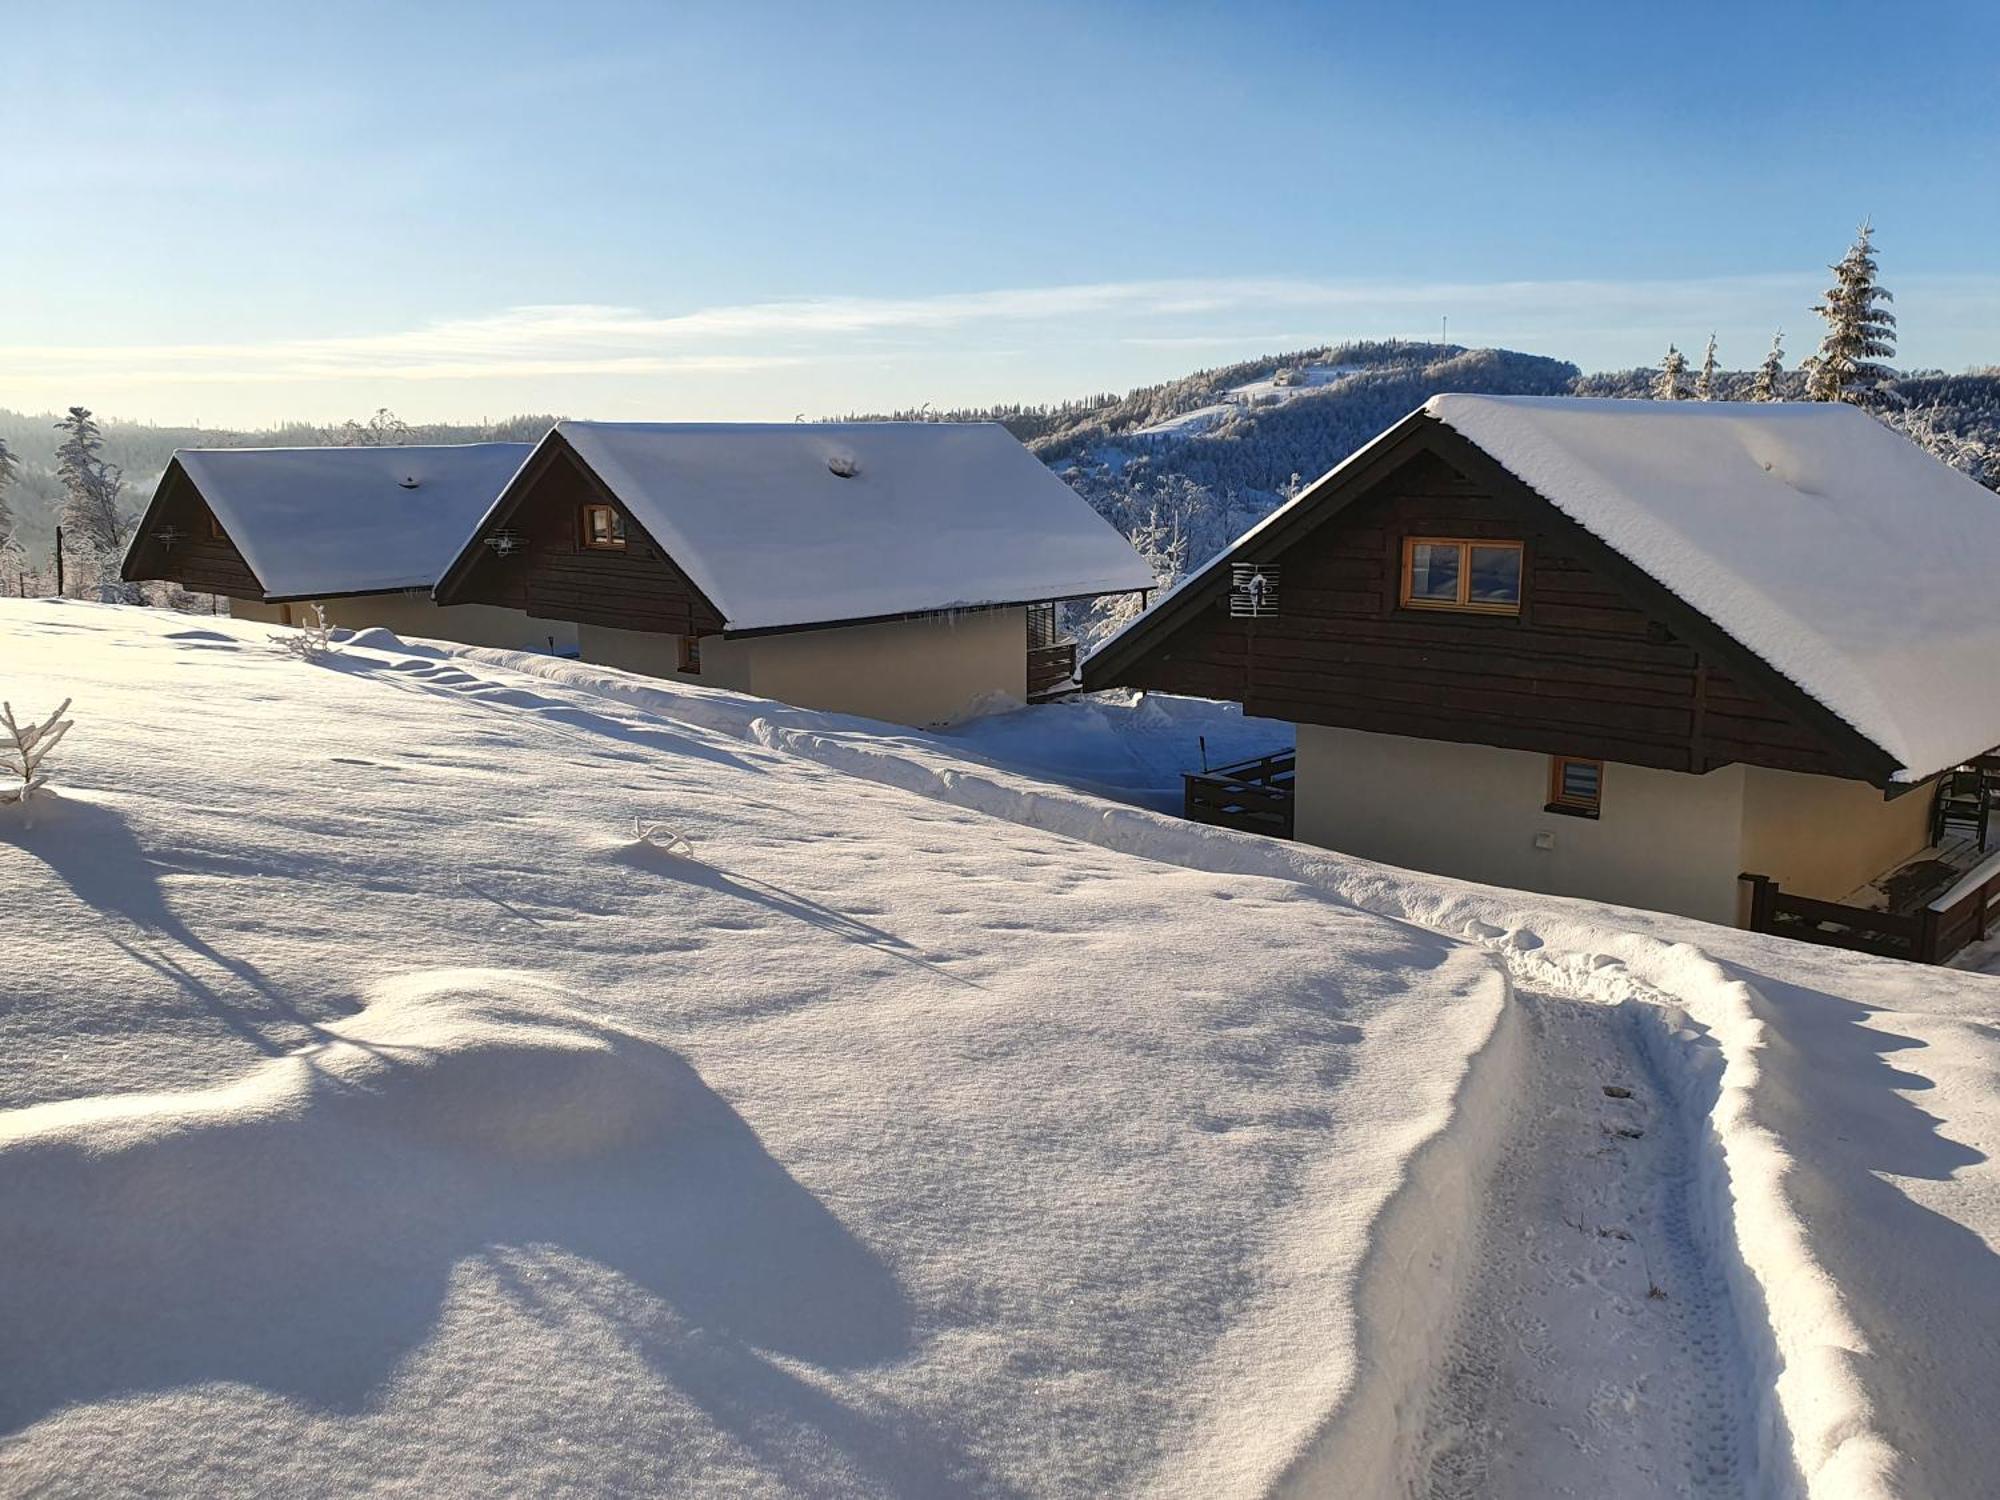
{"x": 386, "y": 1115}
{"x": 395, "y": 1117}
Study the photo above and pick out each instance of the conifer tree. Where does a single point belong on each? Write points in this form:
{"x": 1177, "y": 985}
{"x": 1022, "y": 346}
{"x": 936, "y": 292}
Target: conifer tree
{"x": 1765, "y": 387}
{"x": 1859, "y": 331}
{"x": 1704, "y": 385}
{"x": 1673, "y": 370}
{"x": 91, "y": 487}
{"x": 9, "y": 467}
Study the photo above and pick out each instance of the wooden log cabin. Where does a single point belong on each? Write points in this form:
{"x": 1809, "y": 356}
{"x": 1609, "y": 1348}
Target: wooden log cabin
{"x": 363, "y": 532}
{"x": 898, "y": 570}
{"x": 1636, "y": 651}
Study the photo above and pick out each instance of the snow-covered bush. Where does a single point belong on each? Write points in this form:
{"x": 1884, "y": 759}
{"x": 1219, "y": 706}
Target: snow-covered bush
{"x": 659, "y": 836}
{"x": 314, "y": 638}
{"x": 23, "y": 748}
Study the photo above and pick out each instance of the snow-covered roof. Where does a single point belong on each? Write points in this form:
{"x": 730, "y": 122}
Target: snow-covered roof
{"x": 1829, "y": 545}
{"x": 785, "y": 524}
{"x": 313, "y": 521}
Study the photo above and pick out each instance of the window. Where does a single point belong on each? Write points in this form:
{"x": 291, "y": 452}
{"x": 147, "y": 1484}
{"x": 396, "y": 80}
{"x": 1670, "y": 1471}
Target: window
{"x": 1576, "y": 786}
{"x": 603, "y": 527}
{"x": 215, "y": 532}
{"x": 690, "y": 654}
{"x": 1477, "y": 577}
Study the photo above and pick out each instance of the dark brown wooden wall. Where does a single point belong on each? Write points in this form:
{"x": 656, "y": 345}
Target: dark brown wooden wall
{"x": 1581, "y": 670}
{"x": 197, "y": 560}
{"x": 556, "y": 577}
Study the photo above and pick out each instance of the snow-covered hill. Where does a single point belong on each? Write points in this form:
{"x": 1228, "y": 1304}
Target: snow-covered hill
{"x": 443, "y": 1071}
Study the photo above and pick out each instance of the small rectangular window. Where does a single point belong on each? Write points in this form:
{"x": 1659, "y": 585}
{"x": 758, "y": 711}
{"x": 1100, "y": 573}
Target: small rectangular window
{"x": 690, "y": 654}
{"x": 1575, "y": 785}
{"x": 604, "y": 527}
{"x": 215, "y": 532}
{"x": 1448, "y": 573}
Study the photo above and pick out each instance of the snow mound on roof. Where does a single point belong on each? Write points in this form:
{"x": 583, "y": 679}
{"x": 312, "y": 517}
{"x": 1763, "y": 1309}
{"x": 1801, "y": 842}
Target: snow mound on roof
{"x": 796, "y": 523}
{"x": 1832, "y": 547}
{"x": 314, "y": 521}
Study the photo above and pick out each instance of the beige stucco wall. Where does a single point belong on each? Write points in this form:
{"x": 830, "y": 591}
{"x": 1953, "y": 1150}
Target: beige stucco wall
{"x": 1823, "y": 837}
{"x": 925, "y": 671}
{"x": 1665, "y": 840}
{"x": 416, "y": 615}
{"x": 724, "y": 664}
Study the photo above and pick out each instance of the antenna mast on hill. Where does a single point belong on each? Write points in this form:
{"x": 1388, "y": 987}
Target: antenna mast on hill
{"x": 1444, "y": 330}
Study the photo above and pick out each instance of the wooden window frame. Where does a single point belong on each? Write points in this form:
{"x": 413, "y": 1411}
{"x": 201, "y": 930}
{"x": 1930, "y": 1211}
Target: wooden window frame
{"x": 215, "y": 531}
{"x": 612, "y": 543}
{"x": 688, "y": 655}
{"x": 1464, "y": 604}
{"x": 1560, "y": 801}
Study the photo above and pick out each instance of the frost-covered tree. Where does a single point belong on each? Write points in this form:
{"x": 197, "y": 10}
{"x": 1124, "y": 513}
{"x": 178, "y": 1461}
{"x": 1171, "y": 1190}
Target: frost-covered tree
{"x": 1668, "y": 384}
{"x": 1932, "y": 430}
{"x": 1704, "y": 384}
{"x": 9, "y": 467}
{"x": 23, "y": 748}
{"x": 384, "y": 429}
{"x": 91, "y": 516}
{"x": 1860, "y": 331}
{"x": 1765, "y": 387}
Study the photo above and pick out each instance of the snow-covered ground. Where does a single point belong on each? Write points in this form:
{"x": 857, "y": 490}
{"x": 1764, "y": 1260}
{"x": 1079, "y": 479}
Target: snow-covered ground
{"x": 386, "y": 1114}
{"x": 1132, "y": 747}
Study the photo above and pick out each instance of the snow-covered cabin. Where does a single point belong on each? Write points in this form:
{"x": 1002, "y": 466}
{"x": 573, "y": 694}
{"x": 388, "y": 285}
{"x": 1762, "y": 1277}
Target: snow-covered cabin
{"x": 1630, "y": 650}
{"x": 901, "y": 570}
{"x": 364, "y": 532}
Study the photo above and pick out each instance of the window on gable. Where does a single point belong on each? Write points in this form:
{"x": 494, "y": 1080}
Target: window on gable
{"x": 215, "y": 531}
{"x": 1452, "y": 573}
{"x": 690, "y": 654}
{"x": 603, "y": 527}
{"x": 1576, "y": 785}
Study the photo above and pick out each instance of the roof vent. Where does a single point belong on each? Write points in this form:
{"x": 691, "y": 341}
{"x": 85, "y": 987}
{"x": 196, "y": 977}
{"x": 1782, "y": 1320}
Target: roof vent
{"x": 844, "y": 465}
{"x": 408, "y": 481}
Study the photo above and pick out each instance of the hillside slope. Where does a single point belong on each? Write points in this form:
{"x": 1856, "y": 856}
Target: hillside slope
{"x": 869, "y": 1118}
{"x": 401, "y": 1117}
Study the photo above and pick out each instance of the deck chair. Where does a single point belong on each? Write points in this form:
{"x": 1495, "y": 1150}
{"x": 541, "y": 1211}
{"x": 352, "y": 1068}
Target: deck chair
{"x": 1964, "y": 801}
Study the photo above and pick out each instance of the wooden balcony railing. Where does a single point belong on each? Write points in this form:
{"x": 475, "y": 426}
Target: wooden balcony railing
{"x": 1931, "y": 934}
{"x": 1050, "y": 668}
{"x": 1253, "y": 795}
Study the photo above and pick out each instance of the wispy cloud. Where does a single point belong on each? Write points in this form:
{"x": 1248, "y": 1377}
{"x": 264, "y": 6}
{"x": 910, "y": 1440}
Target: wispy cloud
{"x": 561, "y": 341}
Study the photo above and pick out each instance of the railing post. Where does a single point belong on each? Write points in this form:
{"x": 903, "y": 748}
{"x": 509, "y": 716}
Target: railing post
{"x": 1927, "y": 936}
{"x": 1763, "y": 891}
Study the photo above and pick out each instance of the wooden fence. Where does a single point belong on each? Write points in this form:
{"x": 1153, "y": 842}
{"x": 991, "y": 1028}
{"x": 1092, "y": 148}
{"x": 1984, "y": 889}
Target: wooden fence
{"x": 1050, "y": 667}
{"x": 1929, "y": 935}
{"x": 1253, "y": 795}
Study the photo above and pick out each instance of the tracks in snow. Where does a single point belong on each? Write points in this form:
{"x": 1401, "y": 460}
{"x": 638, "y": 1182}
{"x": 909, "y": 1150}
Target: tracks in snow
{"x": 1596, "y": 1353}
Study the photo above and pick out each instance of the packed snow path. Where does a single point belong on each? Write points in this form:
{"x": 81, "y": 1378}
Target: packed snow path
{"x": 1596, "y": 1353}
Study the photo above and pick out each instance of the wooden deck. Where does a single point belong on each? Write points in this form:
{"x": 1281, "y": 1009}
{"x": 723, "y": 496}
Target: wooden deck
{"x": 1925, "y": 909}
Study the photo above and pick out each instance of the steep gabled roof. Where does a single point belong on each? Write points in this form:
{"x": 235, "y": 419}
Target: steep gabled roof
{"x": 794, "y": 524}
{"x": 1857, "y": 570}
{"x": 315, "y": 522}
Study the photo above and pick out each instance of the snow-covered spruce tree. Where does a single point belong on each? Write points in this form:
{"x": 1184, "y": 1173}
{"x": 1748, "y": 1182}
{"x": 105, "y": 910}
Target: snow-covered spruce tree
{"x": 94, "y": 524}
{"x": 1860, "y": 331}
{"x": 1704, "y": 384}
{"x": 9, "y": 467}
{"x": 1765, "y": 386}
{"x": 1667, "y": 385}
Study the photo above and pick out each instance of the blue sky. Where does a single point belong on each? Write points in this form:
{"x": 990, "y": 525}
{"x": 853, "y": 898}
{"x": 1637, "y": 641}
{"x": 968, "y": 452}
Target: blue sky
{"x": 748, "y": 210}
